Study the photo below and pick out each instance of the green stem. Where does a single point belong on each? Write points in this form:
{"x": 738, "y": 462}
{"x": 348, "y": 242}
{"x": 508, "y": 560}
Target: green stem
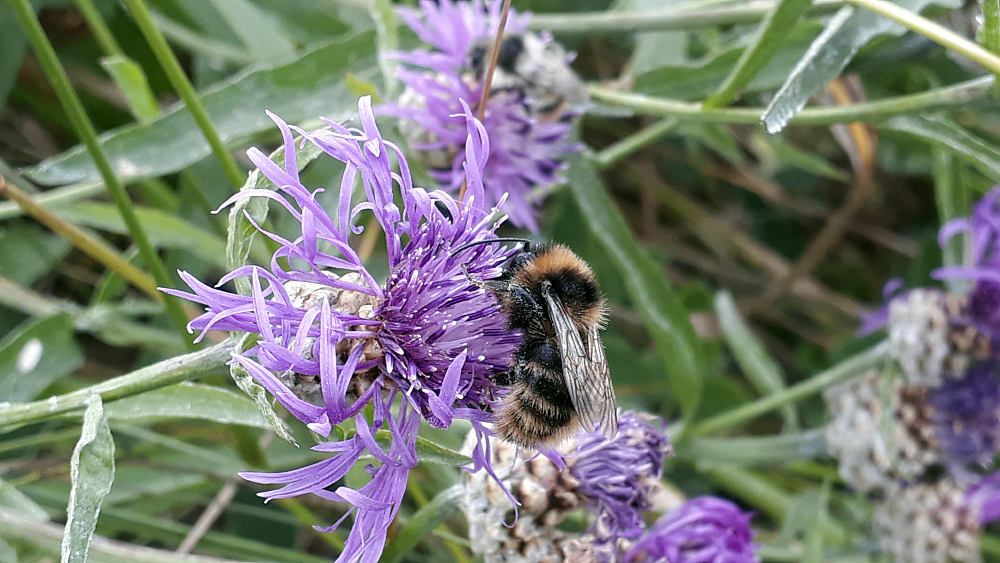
{"x": 188, "y": 367}
{"x": 633, "y": 143}
{"x": 84, "y": 129}
{"x": 659, "y": 20}
{"x": 956, "y": 96}
{"x": 180, "y": 82}
{"x": 933, "y": 31}
{"x": 100, "y": 29}
{"x": 840, "y": 372}
{"x": 95, "y": 248}
{"x": 989, "y": 33}
{"x": 757, "y": 491}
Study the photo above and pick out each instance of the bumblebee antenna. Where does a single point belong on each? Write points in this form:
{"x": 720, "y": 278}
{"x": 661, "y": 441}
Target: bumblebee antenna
{"x": 523, "y": 241}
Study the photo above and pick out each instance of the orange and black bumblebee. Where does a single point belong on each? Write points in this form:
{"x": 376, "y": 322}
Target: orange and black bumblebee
{"x": 558, "y": 381}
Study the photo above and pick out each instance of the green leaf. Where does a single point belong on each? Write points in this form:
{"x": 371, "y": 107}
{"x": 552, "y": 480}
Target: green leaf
{"x": 439, "y": 509}
{"x": 129, "y": 76}
{"x": 13, "y": 500}
{"x": 312, "y": 85}
{"x": 427, "y": 451}
{"x": 758, "y": 366}
{"x": 753, "y": 451}
{"x": 652, "y": 295}
{"x": 133, "y": 483}
{"x": 771, "y": 33}
{"x": 35, "y": 355}
{"x": 7, "y": 553}
{"x": 383, "y": 13}
{"x": 846, "y": 33}
{"x": 91, "y": 470}
{"x": 944, "y": 133}
{"x": 246, "y": 383}
{"x": 163, "y": 229}
{"x": 29, "y": 252}
{"x": 12, "y": 44}
{"x": 241, "y": 230}
{"x": 257, "y": 29}
{"x": 188, "y": 400}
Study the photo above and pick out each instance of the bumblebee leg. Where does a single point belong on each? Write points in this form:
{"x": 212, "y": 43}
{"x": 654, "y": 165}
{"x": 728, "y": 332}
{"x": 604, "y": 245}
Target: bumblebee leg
{"x": 492, "y": 285}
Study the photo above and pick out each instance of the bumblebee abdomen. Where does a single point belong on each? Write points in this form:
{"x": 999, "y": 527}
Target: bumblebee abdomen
{"x": 538, "y": 408}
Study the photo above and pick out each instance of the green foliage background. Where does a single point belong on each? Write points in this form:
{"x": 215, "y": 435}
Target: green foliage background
{"x": 737, "y": 261}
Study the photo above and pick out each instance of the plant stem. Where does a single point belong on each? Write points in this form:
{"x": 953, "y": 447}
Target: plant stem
{"x": 84, "y": 129}
{"x": 64, "y": 194}
{"x": 933, "y": 31}
{"x": 183, "y": 86}
{"x": 633, "y": 143}
{"x": 956, "y": 96}
{"x": 99, "y": 28}
{"x": 659, "y": 20}
{"x": 93, "y": 247}
{"x": 840, "y": 372}
{"x": 188, "y": 367}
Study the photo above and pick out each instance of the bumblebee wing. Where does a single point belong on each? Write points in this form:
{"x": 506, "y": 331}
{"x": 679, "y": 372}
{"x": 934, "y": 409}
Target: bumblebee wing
{"x": 585, "y": 371}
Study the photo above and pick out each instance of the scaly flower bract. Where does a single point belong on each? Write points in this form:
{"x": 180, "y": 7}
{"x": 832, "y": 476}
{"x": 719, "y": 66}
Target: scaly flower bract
{"x": 420, "y": 346}
{"x": 967, "y": 415}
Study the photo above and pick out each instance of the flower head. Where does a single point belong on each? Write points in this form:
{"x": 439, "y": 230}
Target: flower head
{"x": 967, "y": 415}
{"x": 619, "y": 478}
{"x": 419, "y": 346}
{"x": 702, "y": 530}
{"x": 526, "y": 143}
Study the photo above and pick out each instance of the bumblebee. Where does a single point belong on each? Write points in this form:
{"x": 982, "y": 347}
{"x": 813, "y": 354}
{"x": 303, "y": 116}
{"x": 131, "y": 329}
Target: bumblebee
{"x": 534, "y": 67}
{"x": 559, "y": 380}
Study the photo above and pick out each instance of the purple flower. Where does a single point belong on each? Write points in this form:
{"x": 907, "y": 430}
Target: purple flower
{"x": 619, "y": 477}
{"x": 525, "y": 146}
{"x": 984, "y": 498}
{"x": 967, "y": 415}
{"x": 427, "y": 337}
{"x": 702, "y": 530}
{"x": 983, "y": 230}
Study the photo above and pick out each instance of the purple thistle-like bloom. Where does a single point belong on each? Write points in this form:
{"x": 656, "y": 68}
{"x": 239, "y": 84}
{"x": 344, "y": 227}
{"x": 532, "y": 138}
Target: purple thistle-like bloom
{"x": 619, "y": 477}
{"x": 702, "y": 530}
{"x": 967, "y": 415}
{"x": 525, "y": 150}
{"x": 420, "y": 346}
{"x": 984, "y": 498}
{"x": 983, "y": 230}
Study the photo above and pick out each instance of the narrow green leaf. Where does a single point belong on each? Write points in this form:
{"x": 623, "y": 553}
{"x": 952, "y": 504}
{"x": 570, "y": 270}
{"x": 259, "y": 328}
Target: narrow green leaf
{"x": 846, "y": 33}
{"x": 12, "y": 44}
{"x": 129, "y": 76}
{"x": 188, "y": 400}
{"x": 383, "y": 13}
{"x": 13, "y": 500}
{"x": 241, "y": 230}
{"x": 440, "y": 508}
{"x": 944, "y": 133}
{"x": 989, "y": 31}
{"x": 165, "y": 230}
{"x": 749, "y": 451}
{"x": 952, "y": 198}
{"x": 652, "y": 296}
{"x": 36, "y": 354}
{"x": 257, "y": 29}
{"x": 247, "y": 384}
{"x": 91, "y": 470}
{"x": 29, "y": 251}
{"x": 771, "y": 33}
{"x": 310, "y": 86}
{"x": 758, "y": 366}
{"x": 7, "y": 553}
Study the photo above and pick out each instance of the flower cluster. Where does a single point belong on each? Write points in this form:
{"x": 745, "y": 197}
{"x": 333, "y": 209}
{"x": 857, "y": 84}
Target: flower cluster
{"x": 332, "y": 341}
{"x": 528, "y": 118}
{"x": 922, "y": 438}
{"x": 617, "y": 481}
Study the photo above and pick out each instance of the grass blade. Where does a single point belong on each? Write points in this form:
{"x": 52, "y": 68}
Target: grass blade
{"x": 654, "y": 299}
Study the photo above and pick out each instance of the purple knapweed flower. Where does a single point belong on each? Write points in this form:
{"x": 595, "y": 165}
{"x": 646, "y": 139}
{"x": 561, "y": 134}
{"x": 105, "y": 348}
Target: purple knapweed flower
{"x": 525, "y": 146}
{"x": 421, "y": 345}
{"x": 984, "y": 498}
{"x": 619, "y": 478}
{"x": 983, "y": 230}
{"x": 702, "y": 530}
{"x": 967, "y": 415}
